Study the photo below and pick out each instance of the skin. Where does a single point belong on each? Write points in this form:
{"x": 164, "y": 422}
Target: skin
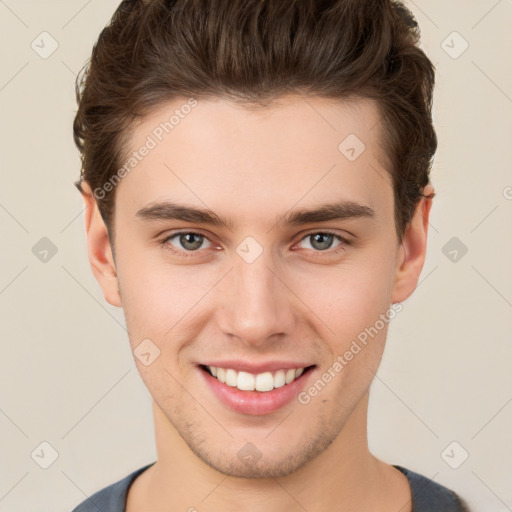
{"x": 294, "y": 302}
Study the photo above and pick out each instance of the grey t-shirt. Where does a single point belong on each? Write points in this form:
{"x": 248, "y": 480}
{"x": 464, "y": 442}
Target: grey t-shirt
{"x": 427, "y": 495}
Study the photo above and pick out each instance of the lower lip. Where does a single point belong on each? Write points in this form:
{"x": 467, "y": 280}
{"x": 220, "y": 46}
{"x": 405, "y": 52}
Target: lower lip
{"x": 255, "y": 403}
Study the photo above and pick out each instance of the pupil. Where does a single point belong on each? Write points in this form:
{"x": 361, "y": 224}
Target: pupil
{"x": 321, "y": 235}
{"x": 185, "y": 239}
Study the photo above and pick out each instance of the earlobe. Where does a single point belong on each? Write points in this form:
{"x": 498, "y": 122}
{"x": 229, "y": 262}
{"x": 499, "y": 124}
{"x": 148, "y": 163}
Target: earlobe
{"x": 99, "y": 249}
{"x": 412, "y": 251}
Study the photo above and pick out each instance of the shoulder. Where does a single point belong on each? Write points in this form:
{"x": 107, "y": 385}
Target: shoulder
{"x": 111, "y": 498}
{"x": 430, "y": 496}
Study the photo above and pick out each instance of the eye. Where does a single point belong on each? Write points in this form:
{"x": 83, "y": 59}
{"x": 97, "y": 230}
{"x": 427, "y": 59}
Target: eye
{"x": 322, "y": 241}
{"x": 187, "y": 242}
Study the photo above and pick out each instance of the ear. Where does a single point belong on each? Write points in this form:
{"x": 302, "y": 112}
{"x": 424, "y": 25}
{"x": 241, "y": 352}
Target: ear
{"x": 412, "y": 251}
{"x": 99, "y": 249}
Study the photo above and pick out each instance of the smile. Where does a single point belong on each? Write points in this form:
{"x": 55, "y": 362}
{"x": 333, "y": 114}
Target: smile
{"x": 245, "y": 381}
{"x": 255, "y": 393}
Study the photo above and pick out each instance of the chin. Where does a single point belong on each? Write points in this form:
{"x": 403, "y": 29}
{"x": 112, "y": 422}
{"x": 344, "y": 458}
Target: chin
{"x": 250, "y": 462}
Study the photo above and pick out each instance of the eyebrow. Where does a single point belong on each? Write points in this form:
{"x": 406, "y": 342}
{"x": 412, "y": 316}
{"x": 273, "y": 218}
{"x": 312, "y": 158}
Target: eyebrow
{"x": 327, "y": 212}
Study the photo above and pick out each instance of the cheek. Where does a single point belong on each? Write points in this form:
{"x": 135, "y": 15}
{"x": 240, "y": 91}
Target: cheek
{"x": 350, "y": 297}
{"x": 356, "y": 309}
{"x": 157, "y": 296}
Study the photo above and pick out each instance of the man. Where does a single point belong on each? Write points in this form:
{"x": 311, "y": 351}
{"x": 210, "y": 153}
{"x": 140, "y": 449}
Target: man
{"x": 256, "y": 176}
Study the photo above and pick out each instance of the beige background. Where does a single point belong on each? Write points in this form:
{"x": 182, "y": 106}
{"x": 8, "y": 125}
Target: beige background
{"x": 67, "y": 375}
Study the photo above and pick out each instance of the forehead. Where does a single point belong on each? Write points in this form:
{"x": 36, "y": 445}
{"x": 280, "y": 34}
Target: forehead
{"x": 247, "y": 162}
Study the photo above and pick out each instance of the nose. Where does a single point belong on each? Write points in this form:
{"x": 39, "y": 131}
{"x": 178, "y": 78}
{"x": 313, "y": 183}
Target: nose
{"x": 257, "y": 303}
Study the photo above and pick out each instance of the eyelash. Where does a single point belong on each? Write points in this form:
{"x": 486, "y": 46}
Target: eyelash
{"x": 187, "y": 254}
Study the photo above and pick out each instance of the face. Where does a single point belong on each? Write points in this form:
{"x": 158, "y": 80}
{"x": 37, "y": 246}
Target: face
{"x": 258, "y": 288}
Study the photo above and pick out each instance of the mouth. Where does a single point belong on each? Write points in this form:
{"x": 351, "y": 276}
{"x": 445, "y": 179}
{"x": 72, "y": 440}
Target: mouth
{"x": 262, "y": 382}
{"x": 255, "y": 393}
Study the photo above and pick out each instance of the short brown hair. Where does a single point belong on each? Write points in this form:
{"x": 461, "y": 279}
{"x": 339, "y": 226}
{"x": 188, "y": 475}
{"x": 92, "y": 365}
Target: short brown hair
{"x": 252, "y": 52}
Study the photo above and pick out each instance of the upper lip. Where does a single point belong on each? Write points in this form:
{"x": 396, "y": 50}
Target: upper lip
{"x": 252, "y": 367}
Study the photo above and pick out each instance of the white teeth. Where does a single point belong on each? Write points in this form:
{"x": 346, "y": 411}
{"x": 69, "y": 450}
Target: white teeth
{"x": 290, "y": 375}
{"x": 245, "y": 381}
{"x": 221, "y": 374}
{"x": 279, "y": 379}
{"x": 265, "y": 381}
{"x": 231, "y": 377}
